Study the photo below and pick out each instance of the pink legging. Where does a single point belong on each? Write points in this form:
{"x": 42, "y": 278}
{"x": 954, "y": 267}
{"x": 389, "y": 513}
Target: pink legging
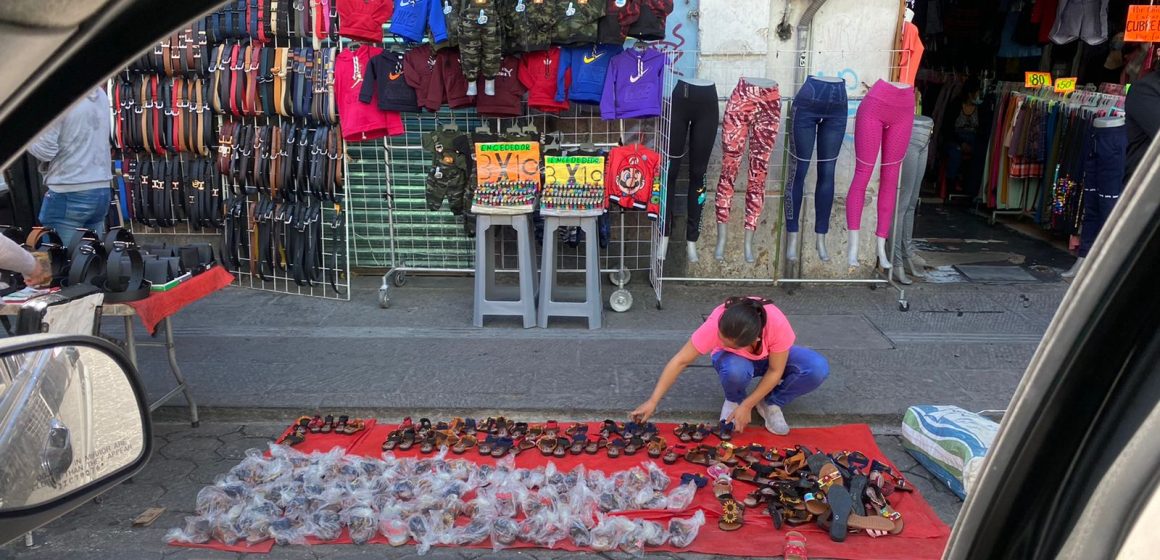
{"x": 885, "y": 121}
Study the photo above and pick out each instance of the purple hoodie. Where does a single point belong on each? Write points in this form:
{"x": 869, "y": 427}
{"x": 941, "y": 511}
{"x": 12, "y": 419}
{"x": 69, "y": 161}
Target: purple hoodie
{"x": 633, "y": 87}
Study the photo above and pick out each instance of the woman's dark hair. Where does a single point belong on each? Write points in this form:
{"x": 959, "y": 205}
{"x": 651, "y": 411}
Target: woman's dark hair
{"x": 743, "y": 320}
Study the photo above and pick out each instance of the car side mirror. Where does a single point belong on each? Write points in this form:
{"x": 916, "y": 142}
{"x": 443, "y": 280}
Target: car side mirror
{"x": 73, "y": 423}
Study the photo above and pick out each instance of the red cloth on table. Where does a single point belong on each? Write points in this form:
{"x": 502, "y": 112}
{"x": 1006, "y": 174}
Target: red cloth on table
{"x": 159, "y": 305}
{"x": 925, "y": 535}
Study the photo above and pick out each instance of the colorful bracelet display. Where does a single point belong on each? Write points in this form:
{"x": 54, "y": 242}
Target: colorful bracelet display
{"x": 573, "y": 197}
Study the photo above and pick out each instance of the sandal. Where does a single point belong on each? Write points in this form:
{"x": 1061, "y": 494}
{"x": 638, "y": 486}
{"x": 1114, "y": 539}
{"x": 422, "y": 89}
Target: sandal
{"x": 469, "y": 426}
{"x": 673, "y": 455}
{"x": 858, "y": 491}
{"x": 701, "y": 455}
{"x": 296, "y": 435}
{"x": 392, "y": 440}
{"x": 487, "y": 445}
{"x": 315, "y": 424}
{"x": 840, "y": 508}
{"x": 877, "y": 501}
{"x": 465, "y": 442}
{"x": 428, "y": 445}
{"x": 656, "y": 447}
{"x": 701, "y": 432}
{"x": 724, "y": 430}
{"x": 829, "y": 476}
{"x": 408, "y": 439}
{"x": 561, "y": 448}
{"x": 594, "y": 445}
{"x": 579, "y": 442}
{"x": 576, "y": 429}
{"x": 684, "y": 432}
{"x": 327, "y": 424}
{"x": 725, "y": 454}
{"x": 524, "y": 444}
{"x": 520, "y": 429}
{"x": 615, "y": 448}
{"x": 633, "y": 445}
{"x": 503, "y": 446}
{"x": 758, "y": 497}
{"x": 547, "y": 445}
{"x": 697, "y": 480}
{"x": 551, "y": 427}
{"x": 732, "y": 513}
{"x": 795, "y": 546}
{"x": 609, "y": 428}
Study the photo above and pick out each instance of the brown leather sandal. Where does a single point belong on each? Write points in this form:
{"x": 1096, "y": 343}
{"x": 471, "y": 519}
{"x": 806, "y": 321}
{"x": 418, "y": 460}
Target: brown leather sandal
{"x": 732, "y": 512}
{"x": 656, "y": 447}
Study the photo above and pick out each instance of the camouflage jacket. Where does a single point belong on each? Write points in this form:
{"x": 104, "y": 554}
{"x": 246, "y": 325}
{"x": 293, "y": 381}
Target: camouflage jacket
{"x": 577, "y": 21}
{"x": 528, "y": 25}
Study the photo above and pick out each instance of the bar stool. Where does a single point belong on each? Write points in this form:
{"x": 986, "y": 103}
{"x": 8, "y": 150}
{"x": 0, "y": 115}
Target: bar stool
{"x": 592, "y": 306}
{"x": 485, "y": 235}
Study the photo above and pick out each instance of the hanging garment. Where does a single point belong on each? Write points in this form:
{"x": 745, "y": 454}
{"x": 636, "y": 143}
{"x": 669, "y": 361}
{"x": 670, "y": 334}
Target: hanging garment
{"x": 360, "y": 121}
{"x": 1081, "y": 19}
{"x": 911, "y": 55}
{"x": 633, "y": 178}
{"x": 411, "y": 19}
{"x": 509, "y": 92}
{"x": 576, "y": 22}
{"x": 419, "y": 71}
{"x": 480, "y": 47}
{"x": 528, "y": 25}
{"x": 449, "y": 83}
{"x": 884, "y": 123}
{"x": 619, "y": 15}
{"x": 586, "y": 67}
{"x": 539, "y": 72}
{"x": 910, "y": 185}
{"x": 820, "y": 111}
{"x": 633, "y": 88}
{"x": 692, "y": 132}
{"x": 650, "y": 24}
{"x": 386, "y": 78}
{"x": 1103, "y": 180}
{"x": 754, "y": 113}
{"x": 363, "y": 19}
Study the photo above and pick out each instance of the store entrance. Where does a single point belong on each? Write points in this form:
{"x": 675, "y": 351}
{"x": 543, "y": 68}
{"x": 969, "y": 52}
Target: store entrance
{"x": 996, "y": 189}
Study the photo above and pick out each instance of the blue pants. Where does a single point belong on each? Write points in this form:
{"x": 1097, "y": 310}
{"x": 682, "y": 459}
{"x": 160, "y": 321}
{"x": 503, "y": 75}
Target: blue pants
{"x": 820, "y": 113}
{"x": 804, "y": 372}
{"x": 1103, "y": 180}
{"x": 65, "y": 212}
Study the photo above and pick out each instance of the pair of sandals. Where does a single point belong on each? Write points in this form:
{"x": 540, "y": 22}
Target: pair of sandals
{"x": 732, "y": 511}
{"x": 342, "y": 425}
{"x": 688, "y": 433}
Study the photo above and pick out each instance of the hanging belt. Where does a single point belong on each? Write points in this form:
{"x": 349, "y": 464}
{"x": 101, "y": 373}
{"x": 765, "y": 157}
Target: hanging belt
{"x": 236, "y": 81}
{"x": 332, "y": 104}
{"x": 175, "y": 113}
{"x": 215, "y": 99}
{"x": 266, "y": 80}
{"x": 142, "y": 186}
{"x": 156, "y": 115}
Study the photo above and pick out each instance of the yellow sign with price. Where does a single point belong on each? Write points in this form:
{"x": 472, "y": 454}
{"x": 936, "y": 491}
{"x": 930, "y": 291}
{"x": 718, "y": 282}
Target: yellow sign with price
{"x": 1037, "y": 80}
{"x": 1065, "y": 85}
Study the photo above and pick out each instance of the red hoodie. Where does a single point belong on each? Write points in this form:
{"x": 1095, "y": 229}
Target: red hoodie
{"x": 633, "y": 178}
{"x": 364, "y": 19}
{"x": 539, "y": 73}
{"x": 360, "y": 121}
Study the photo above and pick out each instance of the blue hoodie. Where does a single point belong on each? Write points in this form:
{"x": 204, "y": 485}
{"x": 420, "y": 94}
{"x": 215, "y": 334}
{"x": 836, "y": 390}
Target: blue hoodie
{"x": 632, "y": 89}
{"x": 589, "y": 66}
{"x": 411, "y": 18}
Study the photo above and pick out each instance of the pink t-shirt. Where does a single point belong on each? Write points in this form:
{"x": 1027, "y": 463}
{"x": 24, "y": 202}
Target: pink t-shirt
{"x": 778, "y": 335}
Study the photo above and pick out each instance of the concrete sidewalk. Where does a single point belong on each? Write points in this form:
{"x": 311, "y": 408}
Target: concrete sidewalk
{"x": 251, "y": 354}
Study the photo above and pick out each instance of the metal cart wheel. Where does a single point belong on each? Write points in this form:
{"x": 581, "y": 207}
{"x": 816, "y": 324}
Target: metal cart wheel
{"x": 400, "y": 279}
{"x": 384, "y": 297}
{"x": 904, "y": 306}
{"x": 620, "y": 301}
{"x": 620, "y": 278}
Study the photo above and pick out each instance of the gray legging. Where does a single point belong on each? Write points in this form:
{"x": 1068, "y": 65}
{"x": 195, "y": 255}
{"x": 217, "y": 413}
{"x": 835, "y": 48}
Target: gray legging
{"x": 913, "y": 169}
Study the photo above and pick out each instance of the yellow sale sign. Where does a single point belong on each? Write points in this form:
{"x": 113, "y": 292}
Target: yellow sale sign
{"x": 1037, "y": 80}
{"x": 507, "y": 162}
{"x": 578, "y": 170}
{"x": 1065, "y": 85}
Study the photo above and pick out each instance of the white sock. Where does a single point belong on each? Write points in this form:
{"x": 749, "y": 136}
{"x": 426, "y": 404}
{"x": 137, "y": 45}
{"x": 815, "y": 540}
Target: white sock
{"x": 727, "y": 409}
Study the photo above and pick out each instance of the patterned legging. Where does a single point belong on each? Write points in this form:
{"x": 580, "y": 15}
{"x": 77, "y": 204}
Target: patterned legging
{"x": 753, "y": 112}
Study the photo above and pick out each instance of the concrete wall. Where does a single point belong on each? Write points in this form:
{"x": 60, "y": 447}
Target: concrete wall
{"x": 850, "y": 39}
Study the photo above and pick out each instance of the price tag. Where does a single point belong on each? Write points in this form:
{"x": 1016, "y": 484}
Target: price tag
{"x": 1065, "y": 85}
{"x": 1037, "y": 80}
{"x": 1143, "y": 24}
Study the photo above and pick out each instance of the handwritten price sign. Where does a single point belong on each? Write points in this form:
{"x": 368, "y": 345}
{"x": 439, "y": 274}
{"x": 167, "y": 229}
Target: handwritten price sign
{"x": 1143, "y": 24}
{"x": 507, "y": 162}
{"x": 1037, "y": 80}
{"x": 1065, "y": 85}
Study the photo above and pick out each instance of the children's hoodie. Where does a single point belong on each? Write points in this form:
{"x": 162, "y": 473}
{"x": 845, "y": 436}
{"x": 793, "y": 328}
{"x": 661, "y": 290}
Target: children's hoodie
{"x": 411, "y": 18}
{"x": 586, "y": 68}
{"x": 633, "y": 87}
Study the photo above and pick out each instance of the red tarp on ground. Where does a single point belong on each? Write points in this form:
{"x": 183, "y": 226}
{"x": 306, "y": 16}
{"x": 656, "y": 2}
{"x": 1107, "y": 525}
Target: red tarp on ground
{"x": 925, "y": 535}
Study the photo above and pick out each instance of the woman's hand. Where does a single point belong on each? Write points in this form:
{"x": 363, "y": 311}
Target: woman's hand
{"x": 740, "y": 417}
{"x": 39, "y": 276}
{"x": 643, "y": 412}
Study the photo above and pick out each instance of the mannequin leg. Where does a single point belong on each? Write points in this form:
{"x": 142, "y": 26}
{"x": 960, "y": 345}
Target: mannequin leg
{"x": 734, "y": 131}
{"x": 791, "y": 246}
{"x": 909, "y": 188}
{"x": 722, "y": 236}
{"x": 801, "y": 152}
{"x": 702, "y": 136}
{"x": 831, "y": 132}
{"x": 691, "y": 251}
{"x": 852, "y": 248}
{"x": 895, "y": 140}
{"x": 749, "y": 246}
{"x": 868, "y": 129}
{"x": 663, "y": 248}
{"x": 766, "y": 120}
{"x": 823, "y": 253}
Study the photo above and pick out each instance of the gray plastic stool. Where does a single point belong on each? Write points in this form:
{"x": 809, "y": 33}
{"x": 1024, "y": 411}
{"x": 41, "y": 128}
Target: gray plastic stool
{"x": 485, "y": 234}
{"x": 592, "y": 307}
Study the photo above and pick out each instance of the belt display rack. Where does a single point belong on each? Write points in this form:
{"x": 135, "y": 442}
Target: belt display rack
{"x": 229, "y": 128}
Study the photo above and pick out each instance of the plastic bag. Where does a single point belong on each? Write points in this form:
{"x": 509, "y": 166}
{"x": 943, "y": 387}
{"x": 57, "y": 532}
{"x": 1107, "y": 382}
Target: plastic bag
{"x": 392, "y": 526}
{"x": 682, "y": 532}
{"x": 213, "y": 501}
{"x": 361, "y": 523}
{"x": 610, "y": 532}
{"x": 196, "y": 531}
{"x": 681, "y": 497}
{"x": 658, "y": 478}
{"x": 579, "y": 533}
{"x": 475, "y": 532}
{"x": 654, "y": 533}
{"x": 288, "y": 531}
{"x": 325, "y": 523}
{"x": 504, "y": 531}
{"x": 649, "y": 498}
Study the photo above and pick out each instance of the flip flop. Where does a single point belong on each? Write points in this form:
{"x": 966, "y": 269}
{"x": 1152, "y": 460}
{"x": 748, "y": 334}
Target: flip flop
{"x": 829, "y": 476}
{"x": 840, "y": 508}
{"x": 795, "y": 546}
{"x": 858, "y": 492}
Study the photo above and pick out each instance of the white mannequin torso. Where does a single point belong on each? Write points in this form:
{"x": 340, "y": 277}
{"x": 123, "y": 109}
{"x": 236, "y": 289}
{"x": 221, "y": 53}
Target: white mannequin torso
{"x": 698, "y": 82}
{"x": 1109, "y": 122}
{"x": 760, "y": 82}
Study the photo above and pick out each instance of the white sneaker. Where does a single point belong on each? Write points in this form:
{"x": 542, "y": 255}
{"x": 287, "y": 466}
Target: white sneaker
{"x": 774, "y": 419}
{"x": 727, "y": 409}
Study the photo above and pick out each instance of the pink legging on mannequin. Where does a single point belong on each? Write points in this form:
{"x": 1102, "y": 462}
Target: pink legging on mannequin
{"x": 884, "y": 123}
